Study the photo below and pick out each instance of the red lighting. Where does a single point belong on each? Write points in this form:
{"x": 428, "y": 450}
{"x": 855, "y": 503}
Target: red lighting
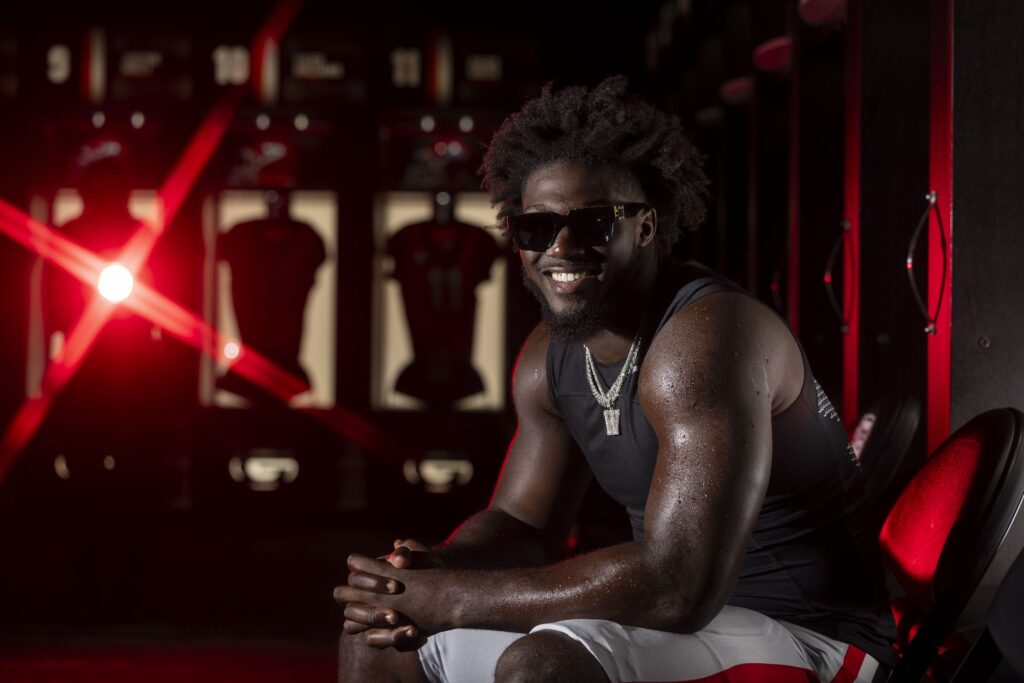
{"x": 828, "y": 278}
{"x": 819, "y": 12}
{"x": 115, "y": 283}
{"x": 737, "y": 91}
{"x": 86, "y": 266}
{"x": 921, "y": 520}
{"x": 775, "y": 55}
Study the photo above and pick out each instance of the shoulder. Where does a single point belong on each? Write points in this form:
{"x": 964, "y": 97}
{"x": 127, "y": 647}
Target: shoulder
{"x": 722, "y": 345}
{"x": 530, "y": 376}
{"x": 725, "y": 317}
{"x": 405, "y": 236}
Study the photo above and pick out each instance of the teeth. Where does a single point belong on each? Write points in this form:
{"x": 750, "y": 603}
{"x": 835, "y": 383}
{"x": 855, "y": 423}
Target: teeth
{"x": 566, "y": 277}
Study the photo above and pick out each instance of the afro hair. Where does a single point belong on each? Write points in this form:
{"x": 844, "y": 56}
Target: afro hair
{"x": 601, "y": 127}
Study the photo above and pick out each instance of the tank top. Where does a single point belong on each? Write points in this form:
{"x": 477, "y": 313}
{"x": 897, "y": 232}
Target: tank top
{"x": 803, "y": 563}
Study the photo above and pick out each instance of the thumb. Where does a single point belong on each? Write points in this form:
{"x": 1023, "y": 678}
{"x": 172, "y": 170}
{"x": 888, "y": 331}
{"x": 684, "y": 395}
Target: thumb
{"x": 400, "y": 557}
{"x": 412, "y": 544}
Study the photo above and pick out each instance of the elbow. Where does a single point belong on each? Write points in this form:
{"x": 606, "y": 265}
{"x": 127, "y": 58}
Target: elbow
{"x": 698, "y": 616}
{"x": 685, "y": 597}
{"x": 685, "y": 614}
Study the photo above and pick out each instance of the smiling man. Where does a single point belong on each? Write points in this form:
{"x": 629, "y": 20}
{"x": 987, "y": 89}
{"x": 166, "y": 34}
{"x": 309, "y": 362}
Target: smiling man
{"x": 690, "y": 402}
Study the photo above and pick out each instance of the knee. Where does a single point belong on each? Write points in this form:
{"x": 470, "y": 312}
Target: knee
{"x": 547, "y": 657}
{"x": 349, "y": 665}
{"x": 358, "y": 662}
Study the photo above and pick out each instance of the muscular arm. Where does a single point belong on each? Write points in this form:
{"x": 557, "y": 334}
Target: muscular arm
{"x": 707, "y": 386}
{"x": 540, "y": 488}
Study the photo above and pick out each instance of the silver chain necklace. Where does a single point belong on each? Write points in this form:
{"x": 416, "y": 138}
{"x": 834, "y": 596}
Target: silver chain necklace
{"x": 607, "y": 400}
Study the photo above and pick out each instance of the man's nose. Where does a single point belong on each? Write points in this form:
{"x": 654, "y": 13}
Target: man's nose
{"x": 565, "y": 243}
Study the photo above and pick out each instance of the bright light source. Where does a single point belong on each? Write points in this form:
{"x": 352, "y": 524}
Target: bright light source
{"x": 109, "y": 463}
{"x": 98, "y": 119}
{"x": 466, "y": 124}
{"x": 263, "y": 122}
{"x": 115, "y": 283}
{"x": 301, "y": 122}
{"x": 427, "y": 123}
{"x": 232, "y": 350}
{"x": 138, "y": 120}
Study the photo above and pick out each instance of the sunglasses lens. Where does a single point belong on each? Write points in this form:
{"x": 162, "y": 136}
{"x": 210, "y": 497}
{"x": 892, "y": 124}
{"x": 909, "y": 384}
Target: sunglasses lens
{"x": 592, "y": 225}
{"x": 532, "y": 231}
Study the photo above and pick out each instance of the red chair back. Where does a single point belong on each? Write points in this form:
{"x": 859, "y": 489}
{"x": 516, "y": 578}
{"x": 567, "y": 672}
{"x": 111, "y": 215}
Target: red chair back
{"x": 917, "y": 527}
{"x": 946, "y": 526}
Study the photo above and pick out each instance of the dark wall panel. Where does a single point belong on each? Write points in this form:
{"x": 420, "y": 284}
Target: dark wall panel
{"x": 988, "y": 238}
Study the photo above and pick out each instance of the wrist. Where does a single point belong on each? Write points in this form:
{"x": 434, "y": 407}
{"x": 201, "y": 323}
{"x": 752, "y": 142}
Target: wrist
{"x": 452, "y": 592}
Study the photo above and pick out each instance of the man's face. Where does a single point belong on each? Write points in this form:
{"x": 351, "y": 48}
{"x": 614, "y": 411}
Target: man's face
{"x": 579, "y": 287}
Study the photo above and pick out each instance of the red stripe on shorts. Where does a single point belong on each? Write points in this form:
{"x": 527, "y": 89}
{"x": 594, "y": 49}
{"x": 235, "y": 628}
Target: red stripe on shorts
{"x": 851, "y": 665}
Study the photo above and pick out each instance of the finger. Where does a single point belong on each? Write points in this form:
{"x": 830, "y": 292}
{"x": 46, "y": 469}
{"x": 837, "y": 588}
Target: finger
{"x": 346, "y": 594}
{"x": 396, "y": 637}
{"x": 370, "y": 615}
{"x": 362, "y": 563}
{"x": 372, "y": 582}
{"x": 354, "y": 627}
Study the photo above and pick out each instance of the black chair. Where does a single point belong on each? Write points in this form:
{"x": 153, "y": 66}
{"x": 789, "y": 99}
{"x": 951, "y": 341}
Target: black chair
{"x": 945, "y": 528}
{"x": 881, "y": 442}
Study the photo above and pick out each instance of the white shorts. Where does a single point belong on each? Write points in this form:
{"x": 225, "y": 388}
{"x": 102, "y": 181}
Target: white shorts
{"x": 738, "y": 646}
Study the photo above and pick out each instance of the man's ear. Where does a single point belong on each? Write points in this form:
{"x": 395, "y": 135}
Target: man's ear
{"x": 648, "y": 226}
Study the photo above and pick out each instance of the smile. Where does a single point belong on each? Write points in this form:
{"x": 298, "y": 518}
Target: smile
{"x": 568, "y": 281}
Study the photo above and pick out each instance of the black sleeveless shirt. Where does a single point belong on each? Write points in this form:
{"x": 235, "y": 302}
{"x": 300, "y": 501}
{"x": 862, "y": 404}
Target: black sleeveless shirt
{"x": 803, "y": 563}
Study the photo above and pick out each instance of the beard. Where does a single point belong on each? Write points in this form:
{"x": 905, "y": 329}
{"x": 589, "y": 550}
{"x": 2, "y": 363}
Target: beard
{"x": 573, "y": 326}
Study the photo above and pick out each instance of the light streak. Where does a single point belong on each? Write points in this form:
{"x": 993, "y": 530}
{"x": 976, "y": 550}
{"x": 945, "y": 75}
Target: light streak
{"x": 86, "y": 266}
{"x": 172, "y": 318}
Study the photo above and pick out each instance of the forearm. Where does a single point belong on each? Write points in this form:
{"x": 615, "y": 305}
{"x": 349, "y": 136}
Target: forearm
{"x": 622, "y": 583}
{"x": 492, "y": 539}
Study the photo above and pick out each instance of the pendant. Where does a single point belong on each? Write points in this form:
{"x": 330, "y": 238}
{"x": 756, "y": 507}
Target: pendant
{"x": 611, "y": 421}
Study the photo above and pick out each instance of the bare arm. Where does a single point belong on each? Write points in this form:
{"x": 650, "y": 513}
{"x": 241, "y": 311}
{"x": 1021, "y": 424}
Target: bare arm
{"x": 708, "y": 385}
{"x": 540, "y": 488}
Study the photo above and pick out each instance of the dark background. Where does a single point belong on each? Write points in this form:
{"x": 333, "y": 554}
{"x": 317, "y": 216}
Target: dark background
{"x": 172, "y": 550}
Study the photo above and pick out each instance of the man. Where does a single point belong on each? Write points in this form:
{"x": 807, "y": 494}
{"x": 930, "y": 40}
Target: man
{"x": 691, "y": 403}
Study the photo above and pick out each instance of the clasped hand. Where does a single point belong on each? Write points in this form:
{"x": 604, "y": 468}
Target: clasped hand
{"x": 381, "y": 598}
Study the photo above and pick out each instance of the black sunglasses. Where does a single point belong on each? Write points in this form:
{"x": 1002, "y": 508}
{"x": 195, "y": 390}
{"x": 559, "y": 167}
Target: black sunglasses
{"x": 591, "y": 226}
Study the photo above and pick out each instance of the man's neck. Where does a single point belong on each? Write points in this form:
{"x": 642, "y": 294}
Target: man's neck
{"x": 610, "y": 345}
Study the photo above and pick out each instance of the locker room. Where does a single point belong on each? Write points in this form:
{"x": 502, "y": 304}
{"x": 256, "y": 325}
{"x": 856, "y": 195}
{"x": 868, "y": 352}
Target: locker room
{"x": 259, "y": 312}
